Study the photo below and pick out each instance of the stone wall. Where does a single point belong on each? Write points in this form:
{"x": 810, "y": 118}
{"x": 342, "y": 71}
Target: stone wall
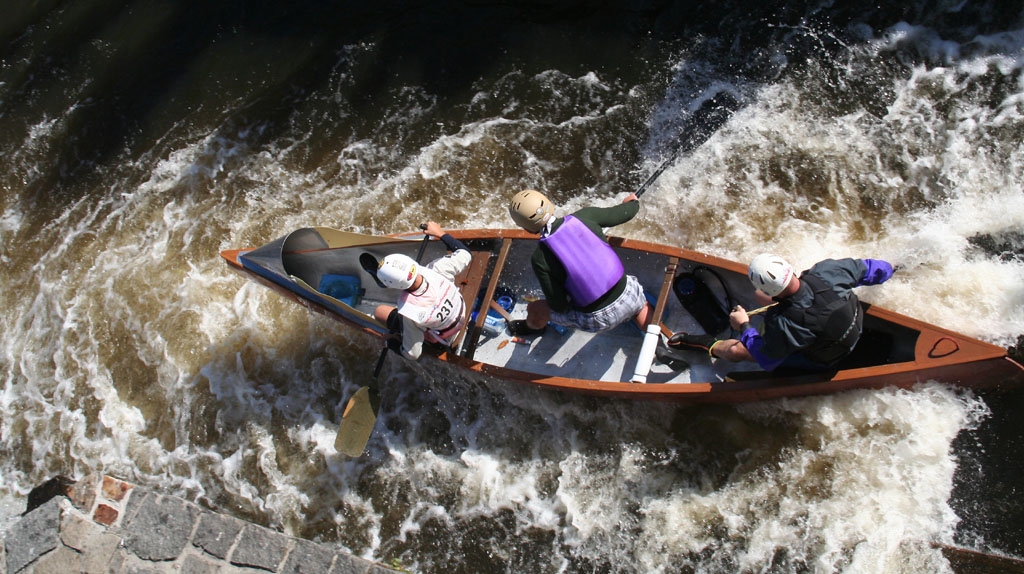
{"x": 106, "y": 525}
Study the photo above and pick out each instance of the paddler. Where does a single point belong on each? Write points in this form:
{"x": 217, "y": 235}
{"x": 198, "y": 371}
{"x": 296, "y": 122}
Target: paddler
{"x": 584, "y": 283}
{"x": 430, "y": 306}
{"x": 815, "y": 321}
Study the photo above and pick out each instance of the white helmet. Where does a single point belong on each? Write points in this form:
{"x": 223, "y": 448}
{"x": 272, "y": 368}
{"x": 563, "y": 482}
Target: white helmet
{"x": 770, "y": 273}
{"x": 397, "y": 271}
{"x": 531, "y": 209}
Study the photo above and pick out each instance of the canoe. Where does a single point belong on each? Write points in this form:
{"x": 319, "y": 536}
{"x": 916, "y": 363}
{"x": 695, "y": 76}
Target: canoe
{"x": 319, "y": 268}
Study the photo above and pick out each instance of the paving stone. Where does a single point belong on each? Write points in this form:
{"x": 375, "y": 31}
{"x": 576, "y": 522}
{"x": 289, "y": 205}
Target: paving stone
{"x": 260, "y": 547}
{"x": 62, "y": 559}
{"x": 347, "y": 564}
{"x": 32, "y": 536}
{"x": 76, "y": 530}
{"x": 193, "y": 564}
{"x": 98, "y": 546}
{"x": 216, "y": 533}
{"x": 161, "y": 528}
{"x": 136, "y": 565}
{"x": 117, "y": 561}
{"x": 105, "y": 514}
{"x": 135, "y": 503}
{"x": 115, "y": 490}
{"x": 83, "y": 493}
{"x": 308, "y": 558}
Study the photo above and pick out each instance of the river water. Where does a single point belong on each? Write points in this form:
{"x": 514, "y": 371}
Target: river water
{"x": 138, "y": 138}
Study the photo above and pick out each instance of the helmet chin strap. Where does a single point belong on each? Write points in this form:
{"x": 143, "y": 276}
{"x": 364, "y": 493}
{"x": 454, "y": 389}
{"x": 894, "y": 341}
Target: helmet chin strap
{"x": 546, "y": 221}
{"x": 418, "y": 284}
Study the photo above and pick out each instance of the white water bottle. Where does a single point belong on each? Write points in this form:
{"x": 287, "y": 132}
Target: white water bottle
{"x": 493, "y": 326}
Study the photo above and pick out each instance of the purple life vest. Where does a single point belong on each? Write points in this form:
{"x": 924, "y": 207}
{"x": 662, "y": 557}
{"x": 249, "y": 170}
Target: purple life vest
{"x": 591, "y": 265}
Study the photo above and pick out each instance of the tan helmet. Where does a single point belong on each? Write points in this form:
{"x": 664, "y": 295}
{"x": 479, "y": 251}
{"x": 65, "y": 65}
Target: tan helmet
{"x": 531, "y": 210}
{"x": 770, "y": 273}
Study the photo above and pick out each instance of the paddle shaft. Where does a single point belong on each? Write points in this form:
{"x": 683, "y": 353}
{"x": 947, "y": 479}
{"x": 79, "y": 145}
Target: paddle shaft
{"x": 380, "y": 362}
{"x": 760, "y": 310}
{"x": 423, "y": 246}
{"x": 697, "y": 129}
{"x": 501, "y": 310}
{"x": 661, "y": 168}
{"x": 653, "y": 329}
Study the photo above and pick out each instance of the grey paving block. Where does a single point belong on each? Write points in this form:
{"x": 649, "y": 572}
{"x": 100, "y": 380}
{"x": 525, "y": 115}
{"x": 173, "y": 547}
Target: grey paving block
{"x": 308, "y": 558}
{"x": 260, "y": 547}
{"x": 136, "y": 501}
{"x": 193, "y": 564}
{"x": 160, "y": 528}
{"x": 136, "y": 565}
{"x": 348, "y": 564}
{"x": 97, "y": 545}
{"x": 32, "y": 536}
{"x": 62, "y": 559}
{"x": 163, "y": 535}
{"x": 216, "y": 533}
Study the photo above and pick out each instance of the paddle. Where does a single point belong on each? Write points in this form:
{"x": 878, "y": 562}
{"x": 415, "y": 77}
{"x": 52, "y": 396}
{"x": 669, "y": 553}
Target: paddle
{"x": 710, "y": 116}
{"x": 360, "y": 414}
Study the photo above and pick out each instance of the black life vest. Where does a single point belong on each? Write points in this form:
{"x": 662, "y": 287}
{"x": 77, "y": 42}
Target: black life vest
{"x": 835, "y": 320}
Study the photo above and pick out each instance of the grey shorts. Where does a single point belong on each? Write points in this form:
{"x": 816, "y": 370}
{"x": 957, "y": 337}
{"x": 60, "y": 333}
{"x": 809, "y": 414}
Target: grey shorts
{"x": 621, "y": 310}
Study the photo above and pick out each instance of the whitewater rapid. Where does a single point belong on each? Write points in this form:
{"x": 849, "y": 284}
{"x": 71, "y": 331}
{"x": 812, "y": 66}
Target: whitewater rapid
{"x": 130, "y": 349}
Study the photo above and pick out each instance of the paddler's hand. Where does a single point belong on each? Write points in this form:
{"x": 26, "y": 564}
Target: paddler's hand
{"x": 433, "y": 229}
{"x": 738, "y": 319}
{"x": 630, "y": 197}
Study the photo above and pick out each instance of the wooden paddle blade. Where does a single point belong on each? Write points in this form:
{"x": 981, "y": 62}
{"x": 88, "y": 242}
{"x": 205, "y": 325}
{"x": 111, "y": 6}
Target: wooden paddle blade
{"x": 357, "y": 422}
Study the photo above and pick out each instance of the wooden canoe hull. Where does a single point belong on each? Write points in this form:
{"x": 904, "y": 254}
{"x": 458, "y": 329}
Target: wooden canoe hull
{"x": 928, "y": 353}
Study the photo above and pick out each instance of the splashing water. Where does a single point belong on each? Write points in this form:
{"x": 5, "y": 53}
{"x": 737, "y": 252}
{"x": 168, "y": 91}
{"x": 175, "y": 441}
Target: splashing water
{"x": 129, "y": 349}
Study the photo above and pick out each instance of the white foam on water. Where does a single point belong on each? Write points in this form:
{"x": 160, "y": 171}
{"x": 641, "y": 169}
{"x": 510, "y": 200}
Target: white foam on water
{"x": 864, "y": 489}
{"x": 726, "y": 197}
{"x": 130, "y": 349}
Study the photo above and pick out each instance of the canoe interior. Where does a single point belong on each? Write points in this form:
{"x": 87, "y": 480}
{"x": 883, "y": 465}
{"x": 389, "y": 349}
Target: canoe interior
{"x": 501, "y": 267}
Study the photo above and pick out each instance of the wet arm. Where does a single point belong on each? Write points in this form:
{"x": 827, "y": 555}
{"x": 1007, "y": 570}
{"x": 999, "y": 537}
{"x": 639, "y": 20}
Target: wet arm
{"x": 610, "y": 216}
{"x": 455, "y": 262}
